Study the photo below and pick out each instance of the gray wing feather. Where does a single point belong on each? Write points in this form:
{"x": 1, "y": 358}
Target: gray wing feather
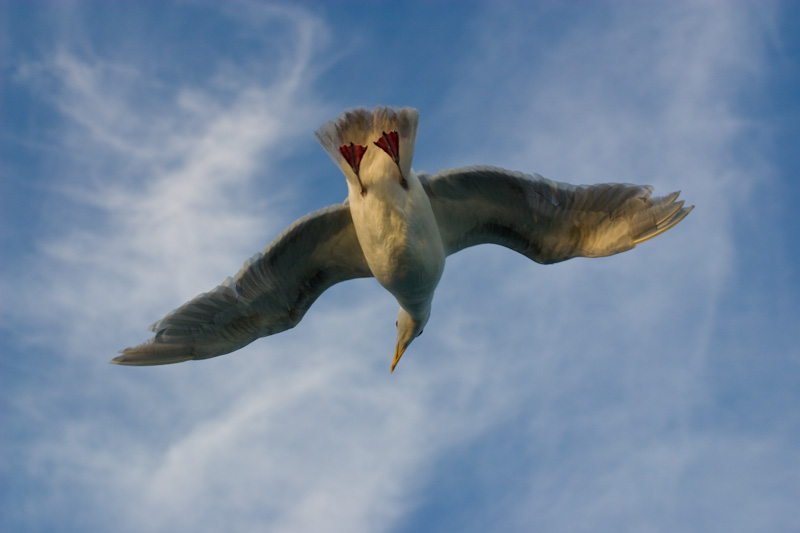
{"x": 269, "y": 294}
{"x": 545, "y": 220}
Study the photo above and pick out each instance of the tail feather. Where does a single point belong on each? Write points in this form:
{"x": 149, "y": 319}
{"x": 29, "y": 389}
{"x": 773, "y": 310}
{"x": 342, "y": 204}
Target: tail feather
{"x": 363, "y": 127}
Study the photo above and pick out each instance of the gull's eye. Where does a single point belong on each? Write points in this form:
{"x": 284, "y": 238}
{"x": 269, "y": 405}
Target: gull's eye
{"x": 395, "y": 323}
{"x": 420, "y": 332}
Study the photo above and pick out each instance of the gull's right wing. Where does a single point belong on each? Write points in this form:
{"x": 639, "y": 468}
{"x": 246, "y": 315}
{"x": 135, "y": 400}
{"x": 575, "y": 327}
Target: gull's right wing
{"x": 544, "y": 220}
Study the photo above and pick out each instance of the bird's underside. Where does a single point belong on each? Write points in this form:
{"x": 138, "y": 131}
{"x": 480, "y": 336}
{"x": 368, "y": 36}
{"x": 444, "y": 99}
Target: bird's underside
{"x": 543, "y": 220}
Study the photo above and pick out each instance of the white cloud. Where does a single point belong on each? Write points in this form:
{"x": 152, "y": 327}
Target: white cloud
{"x": 164, "y": 177}
{"x": 159, "y": 200}
{"x": 623, "y": 343}
{"x": 597, "y": 365}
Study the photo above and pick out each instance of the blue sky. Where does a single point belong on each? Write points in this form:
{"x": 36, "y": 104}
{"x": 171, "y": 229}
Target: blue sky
{"x": 148, "y": 149}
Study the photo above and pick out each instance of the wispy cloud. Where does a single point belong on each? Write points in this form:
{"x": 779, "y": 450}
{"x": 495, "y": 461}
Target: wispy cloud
{"x": 566, "y": 396}
{"x": 648, "y": 95}
{"x": 160, "y": 202}
{"x": 163, "y": 176}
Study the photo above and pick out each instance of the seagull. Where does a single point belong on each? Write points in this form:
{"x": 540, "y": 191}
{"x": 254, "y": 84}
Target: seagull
{"x": 398, "y": 226}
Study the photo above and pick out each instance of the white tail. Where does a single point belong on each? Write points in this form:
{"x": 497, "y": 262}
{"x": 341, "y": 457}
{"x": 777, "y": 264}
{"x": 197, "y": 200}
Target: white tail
{"x": 364, "y": 127}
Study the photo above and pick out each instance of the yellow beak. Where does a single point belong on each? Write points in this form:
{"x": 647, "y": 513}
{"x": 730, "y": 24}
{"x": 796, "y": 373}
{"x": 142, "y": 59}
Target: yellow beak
{"x": 398, "y": 353}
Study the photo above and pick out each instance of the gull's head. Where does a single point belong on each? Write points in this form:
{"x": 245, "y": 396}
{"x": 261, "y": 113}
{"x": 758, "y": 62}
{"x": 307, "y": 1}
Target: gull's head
{"x": 408, "y": 329}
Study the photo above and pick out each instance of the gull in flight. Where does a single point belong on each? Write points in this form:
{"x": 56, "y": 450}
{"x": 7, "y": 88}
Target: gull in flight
{"x": 399, "y": 226}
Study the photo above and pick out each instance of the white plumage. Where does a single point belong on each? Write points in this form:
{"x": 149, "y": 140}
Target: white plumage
{"x": 398, "y": 226}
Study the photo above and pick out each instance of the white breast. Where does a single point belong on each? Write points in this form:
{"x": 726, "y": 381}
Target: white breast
{"x": 399, "y": 236}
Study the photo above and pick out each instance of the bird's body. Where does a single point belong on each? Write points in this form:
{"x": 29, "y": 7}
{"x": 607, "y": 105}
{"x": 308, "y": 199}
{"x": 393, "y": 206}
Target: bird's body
{"x": 400, "y": 240}
{"x": 399, "y": 226}
{"x": 391, "y": 211}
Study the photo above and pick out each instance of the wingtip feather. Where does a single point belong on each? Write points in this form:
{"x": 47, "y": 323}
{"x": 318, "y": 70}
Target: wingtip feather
{"x": 668, "y": 221}
{"x": 150, "y": 354}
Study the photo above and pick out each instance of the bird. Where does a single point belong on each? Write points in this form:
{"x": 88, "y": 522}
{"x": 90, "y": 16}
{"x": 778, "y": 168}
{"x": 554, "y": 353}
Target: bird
{"x": 398, "y": 226}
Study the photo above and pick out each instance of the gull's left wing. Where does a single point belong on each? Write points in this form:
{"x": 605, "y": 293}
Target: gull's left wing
{"x": 544, "y": 220}
{"x": 270, "y": 294}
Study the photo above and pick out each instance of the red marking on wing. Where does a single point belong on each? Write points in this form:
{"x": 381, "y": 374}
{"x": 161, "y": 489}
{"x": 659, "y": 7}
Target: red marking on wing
{"x": 390, "y": 143}
{"x": 353, "y": 153}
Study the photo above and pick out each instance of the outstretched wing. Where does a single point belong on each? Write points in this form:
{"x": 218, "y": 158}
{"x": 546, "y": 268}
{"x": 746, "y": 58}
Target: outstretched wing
{"x": 270, "y": 294}
{"x": 545, "y": 220}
